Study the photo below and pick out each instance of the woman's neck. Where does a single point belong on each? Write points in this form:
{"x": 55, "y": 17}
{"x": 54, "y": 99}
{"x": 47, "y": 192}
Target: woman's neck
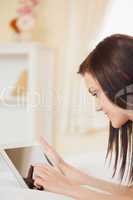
{"x": 130, "y": 115}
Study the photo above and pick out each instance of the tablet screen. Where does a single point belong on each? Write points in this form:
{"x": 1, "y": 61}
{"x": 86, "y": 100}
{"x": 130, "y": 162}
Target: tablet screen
{"x": 25, "y": 157}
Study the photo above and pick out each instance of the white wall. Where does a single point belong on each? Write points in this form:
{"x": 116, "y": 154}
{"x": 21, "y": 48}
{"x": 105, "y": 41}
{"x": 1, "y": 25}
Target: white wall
{"x": 118, "y": 18}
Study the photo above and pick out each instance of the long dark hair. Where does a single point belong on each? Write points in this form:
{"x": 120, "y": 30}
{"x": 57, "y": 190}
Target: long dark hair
{"x": 111, "y": 63}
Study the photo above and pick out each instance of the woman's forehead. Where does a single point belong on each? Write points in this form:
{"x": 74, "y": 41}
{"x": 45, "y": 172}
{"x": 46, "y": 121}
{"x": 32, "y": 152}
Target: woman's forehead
{"x": 91, "y": 82}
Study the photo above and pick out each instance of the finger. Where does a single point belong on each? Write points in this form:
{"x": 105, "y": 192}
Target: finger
{"x": 50, "y": 152}
{"x": 42, "y": 167}
{"x": 51, "y": 169}
{"x": 48, "y": 149}
{"x": 44, "y": 143}
{"x": 45, "y": 168}
{"x": 42, "y": 172}
{"x": 39, "y": 182}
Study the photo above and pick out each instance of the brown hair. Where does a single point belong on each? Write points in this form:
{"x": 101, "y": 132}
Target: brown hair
{"x": 111, "y": 63}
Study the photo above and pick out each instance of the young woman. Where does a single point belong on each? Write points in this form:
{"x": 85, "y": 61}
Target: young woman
{"x": 108, "y": 75}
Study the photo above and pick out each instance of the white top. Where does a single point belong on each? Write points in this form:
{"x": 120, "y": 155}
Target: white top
{"x": 26, "y": 194}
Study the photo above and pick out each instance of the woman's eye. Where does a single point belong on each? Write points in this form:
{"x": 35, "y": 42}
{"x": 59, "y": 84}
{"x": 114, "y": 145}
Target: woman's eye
{"x": 95, "y": 94}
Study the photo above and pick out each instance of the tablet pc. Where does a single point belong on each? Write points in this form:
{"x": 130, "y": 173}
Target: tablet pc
{"x": 21, "y": 159}
{"x": 10, "y": 168}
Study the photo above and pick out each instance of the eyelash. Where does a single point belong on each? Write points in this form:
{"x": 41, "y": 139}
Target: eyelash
{"x": 95, "y": 94}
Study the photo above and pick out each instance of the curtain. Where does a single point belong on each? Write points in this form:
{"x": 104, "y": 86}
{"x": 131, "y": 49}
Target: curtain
{"x": 78, "y": 108}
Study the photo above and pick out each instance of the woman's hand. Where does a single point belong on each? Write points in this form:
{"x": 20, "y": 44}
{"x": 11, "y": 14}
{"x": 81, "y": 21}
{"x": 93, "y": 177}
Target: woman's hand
{"x": 54, "y": 157}
{"x": 51, "y": 179}
{"x": 69, "y": 171}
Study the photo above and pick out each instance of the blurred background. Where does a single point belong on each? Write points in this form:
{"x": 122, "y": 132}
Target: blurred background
{"x": 61, "y": 33}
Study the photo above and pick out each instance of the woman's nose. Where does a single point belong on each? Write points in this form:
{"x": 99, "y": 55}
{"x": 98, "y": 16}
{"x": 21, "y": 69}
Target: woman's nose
{"x": 97, "y": 105}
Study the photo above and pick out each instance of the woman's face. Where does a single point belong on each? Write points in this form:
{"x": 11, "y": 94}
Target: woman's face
{"x": 116, "y": 115}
